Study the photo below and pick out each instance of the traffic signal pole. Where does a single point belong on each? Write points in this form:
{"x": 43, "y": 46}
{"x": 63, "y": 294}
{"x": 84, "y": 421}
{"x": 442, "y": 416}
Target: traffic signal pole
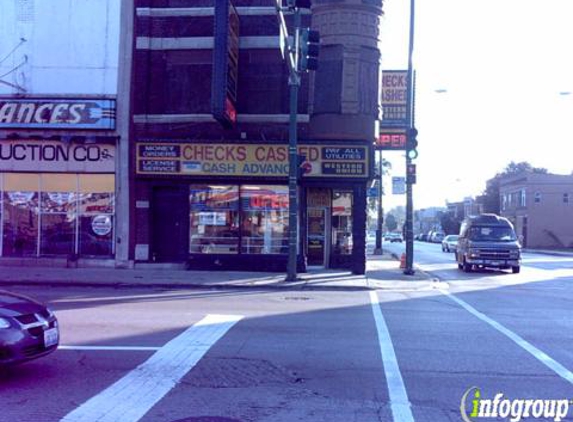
{"x": 294, "y": 82}
{"x": 300, "y": 53}
{"x": 409, "y": 270}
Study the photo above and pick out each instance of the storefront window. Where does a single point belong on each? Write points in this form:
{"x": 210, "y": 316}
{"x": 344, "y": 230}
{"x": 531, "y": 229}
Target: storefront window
{"x": 20, "y": 214}
{"x": 96, "y": 214}
{"x": 214, "y": 219}
{"x": 233, "y": 219}
{"x": 65, "y": 213}
{"x": 264, "y": 219}
{"x": 57, "y": 234}
{"x": 342, "y": 222}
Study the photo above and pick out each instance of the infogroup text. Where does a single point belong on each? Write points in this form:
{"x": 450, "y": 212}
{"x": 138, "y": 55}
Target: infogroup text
{"x": 474, "y": 406}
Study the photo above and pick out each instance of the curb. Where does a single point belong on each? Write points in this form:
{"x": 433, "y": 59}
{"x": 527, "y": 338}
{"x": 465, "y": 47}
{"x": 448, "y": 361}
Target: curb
{"x": 429, "y": 276}
{"x": 295, "y": 286}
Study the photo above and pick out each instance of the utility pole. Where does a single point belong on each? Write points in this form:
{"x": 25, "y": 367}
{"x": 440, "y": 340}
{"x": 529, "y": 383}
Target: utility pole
{"x": 411, "y": 153}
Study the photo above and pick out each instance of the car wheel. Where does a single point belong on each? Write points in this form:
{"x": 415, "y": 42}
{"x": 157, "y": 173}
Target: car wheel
{"x": 466, "y": 267}
{"x": 515, "y": 270}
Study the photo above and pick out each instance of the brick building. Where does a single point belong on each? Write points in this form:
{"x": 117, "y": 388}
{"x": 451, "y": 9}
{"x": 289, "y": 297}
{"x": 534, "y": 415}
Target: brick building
{"x": 209, "y": 183}
{"x": 540, "y": 206}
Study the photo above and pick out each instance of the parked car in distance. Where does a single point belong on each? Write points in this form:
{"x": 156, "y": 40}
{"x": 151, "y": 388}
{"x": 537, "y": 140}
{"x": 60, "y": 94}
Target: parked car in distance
{"x": 393, "y": 237}
{"x": 437, "y": 237}
{"x": 450, "y": 243}
{"x": 28, "y": 329}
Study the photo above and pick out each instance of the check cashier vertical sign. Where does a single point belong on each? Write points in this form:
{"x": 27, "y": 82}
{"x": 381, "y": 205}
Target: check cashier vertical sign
{"x": 474, "y": 406}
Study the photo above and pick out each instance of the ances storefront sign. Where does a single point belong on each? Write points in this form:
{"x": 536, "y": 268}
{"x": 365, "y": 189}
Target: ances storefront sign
{"x": 45, "y": 113}
{"x": 250, "y": 160}
{"x": 53, "y": 156}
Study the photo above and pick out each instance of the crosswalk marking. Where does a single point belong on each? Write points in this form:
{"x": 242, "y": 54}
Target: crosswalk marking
{"x": 131, "y": 397}
{"x": 524, "y": 344}
{"x": 399, "y": 402}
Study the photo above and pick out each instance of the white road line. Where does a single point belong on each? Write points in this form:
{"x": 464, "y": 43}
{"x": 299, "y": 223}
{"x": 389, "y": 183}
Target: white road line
{"x": 538, "y": 354}
{"x": 131, "y": 397}
{"x": 399, "y": 403}
{"x": 111, "y": 348}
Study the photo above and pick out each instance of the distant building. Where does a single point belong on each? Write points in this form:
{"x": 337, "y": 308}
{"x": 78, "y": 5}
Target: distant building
{"x": 540, "y": 207}
{"x": 427, "y": 219}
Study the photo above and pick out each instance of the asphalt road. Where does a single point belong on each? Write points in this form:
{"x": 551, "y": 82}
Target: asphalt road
{"x": 398, "y": 354}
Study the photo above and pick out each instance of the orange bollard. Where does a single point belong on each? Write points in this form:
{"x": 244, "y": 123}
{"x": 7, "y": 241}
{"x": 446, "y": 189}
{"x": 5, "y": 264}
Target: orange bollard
{"x": 403, "y": 261}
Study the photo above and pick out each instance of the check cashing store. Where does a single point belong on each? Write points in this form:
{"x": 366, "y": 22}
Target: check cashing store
{"x": 225, "y": 206}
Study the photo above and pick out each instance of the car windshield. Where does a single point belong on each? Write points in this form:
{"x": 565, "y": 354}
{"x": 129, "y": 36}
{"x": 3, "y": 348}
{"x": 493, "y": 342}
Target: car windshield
{"x": 492, "y": 233}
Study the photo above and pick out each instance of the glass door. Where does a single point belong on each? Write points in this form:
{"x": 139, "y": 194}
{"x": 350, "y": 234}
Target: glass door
{"x": 316, "y": 235}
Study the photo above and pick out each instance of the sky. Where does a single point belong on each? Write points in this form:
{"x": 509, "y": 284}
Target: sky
{"x": 491, "y": 78}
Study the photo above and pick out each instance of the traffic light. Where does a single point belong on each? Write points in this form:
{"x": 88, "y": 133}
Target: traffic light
{"x": 411, "y": 174}
{"x": 412, "y": 143}
{"x": 309, "y": 49}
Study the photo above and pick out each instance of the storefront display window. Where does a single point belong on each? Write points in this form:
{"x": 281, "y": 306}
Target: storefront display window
{"x": 264, "y": 219}
{"x": 20, "y": 214}
{"x": 342, "y": 222}
{"x": 96, "y": 203}
{"x": 214, "y": 219}
{"x": 57, "y": 214}
{"x": 233, "y": 219}
{"x": 57, "y": 233}
{"x": 20, "y": 228}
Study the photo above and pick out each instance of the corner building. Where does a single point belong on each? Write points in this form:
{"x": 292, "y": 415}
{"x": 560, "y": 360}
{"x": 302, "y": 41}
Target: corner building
{"x": 215, "y": 196}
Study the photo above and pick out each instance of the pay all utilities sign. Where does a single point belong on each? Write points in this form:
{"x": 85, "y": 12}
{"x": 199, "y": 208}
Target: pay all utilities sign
{"x": 394, "y": 98}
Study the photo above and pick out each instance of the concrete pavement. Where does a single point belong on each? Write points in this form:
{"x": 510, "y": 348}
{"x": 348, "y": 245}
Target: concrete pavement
{"x": 383, "y": 272}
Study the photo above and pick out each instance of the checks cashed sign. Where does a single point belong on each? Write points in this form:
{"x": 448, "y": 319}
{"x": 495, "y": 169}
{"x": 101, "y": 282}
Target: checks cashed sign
{"x": 202, "y": 159}
{"x": 394, "y": 99}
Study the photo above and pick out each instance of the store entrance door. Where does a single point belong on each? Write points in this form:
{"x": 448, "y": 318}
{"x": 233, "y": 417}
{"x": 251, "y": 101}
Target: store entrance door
{"x": 316, "y": 236}
{"x": 170, "y": 225}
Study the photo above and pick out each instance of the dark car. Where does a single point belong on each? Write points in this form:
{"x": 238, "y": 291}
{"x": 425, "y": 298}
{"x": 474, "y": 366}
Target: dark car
{"x": 28, "y": 329}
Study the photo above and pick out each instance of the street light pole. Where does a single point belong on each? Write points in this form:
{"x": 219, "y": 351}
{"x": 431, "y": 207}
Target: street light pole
{"x": 409, "y": 270}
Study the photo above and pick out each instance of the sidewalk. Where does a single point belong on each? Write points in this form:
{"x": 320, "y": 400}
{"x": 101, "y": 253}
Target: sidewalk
{"x": 554, "y": 252}
{"x": 383, "y": 272}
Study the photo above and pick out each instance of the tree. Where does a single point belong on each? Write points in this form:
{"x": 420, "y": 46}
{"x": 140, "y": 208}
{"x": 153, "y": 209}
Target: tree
{"x": 391, "y": 223}
{"x": 491, "y": 193}
{"x": 449, "y": 224}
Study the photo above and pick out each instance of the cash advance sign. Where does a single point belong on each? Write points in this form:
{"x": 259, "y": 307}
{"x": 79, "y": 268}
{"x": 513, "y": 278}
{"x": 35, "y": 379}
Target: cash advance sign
{"x": 250, "y": 160}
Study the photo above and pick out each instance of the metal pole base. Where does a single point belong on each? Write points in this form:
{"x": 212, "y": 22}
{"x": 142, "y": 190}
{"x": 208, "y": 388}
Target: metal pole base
{"x": 377, "y": 251}
{"x": 409, "y": 272}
